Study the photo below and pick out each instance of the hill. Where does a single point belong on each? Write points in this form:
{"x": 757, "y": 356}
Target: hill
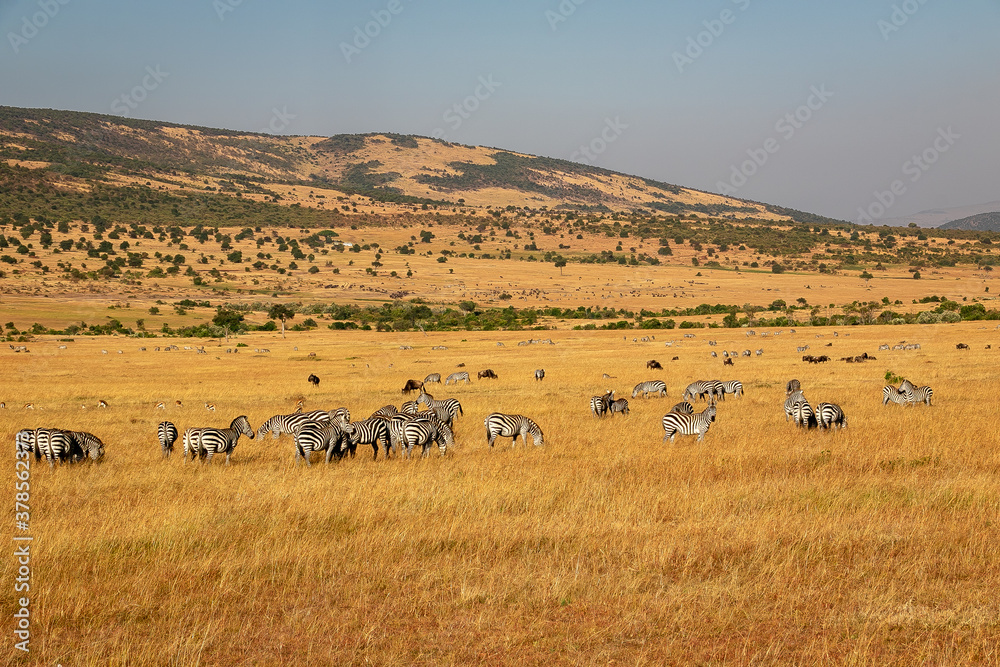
{"x": 983, "y": 222}
{"x": 82, "y": 150}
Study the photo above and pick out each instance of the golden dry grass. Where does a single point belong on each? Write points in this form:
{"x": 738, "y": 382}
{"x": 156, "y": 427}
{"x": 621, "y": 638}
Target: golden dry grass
{"x": 761, "y": 545}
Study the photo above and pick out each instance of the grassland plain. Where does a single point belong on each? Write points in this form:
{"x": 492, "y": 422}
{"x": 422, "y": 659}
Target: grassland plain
{"x": 761, "y": 545}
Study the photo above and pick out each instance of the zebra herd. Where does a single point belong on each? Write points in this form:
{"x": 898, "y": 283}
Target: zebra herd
{"x": 907, "y": 394}
{"x": 58, "y": 445}
{"x": 826, "y": 415}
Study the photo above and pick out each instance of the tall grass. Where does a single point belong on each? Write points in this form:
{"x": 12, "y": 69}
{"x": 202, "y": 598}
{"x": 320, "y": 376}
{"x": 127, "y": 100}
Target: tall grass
{"x": 762, "y": 544}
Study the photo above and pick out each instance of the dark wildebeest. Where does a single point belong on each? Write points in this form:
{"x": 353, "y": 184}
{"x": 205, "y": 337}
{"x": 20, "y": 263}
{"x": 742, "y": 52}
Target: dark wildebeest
{"x": 540, "y": 374}
{"x": 313, "y": 380}
{"x": 654, "y": 364}
{"x": 961, "y": 346}
{"x": 727, "y": 362}
{"x": 488, "y": 373}
{"x": 413, "y": 385}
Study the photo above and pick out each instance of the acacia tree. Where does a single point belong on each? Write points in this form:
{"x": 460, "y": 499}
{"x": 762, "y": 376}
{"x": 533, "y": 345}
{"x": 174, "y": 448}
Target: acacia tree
{"x": 280, "y": 311}
{"x": 229, "y": 320}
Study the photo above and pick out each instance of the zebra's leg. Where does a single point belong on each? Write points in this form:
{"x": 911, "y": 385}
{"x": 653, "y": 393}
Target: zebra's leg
{"x": 491, "y": 437}
{"x": 208, "y": 458}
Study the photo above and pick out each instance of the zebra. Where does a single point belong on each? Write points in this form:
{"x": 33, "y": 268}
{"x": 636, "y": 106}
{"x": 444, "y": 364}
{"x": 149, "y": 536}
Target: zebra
{"x": 893, "y": 395}
{"x": 657, "y": 387}
{"x": 424, "y": 431}
{"x": 734, "y": 387}
{"x": 342, "y": 415}
{"x": 688, "y": 424}
{"x": 830, "y": 414}
{"x": 291, "y": 423}
{"x": 373, "y": 431}
{"x": 384, "y": 411}
{"x": 540, "y": 374}
{"x": 906, "y": 387}
{"x": 55, "y": 445}
{"x": 319, "y": 437}
{"x": 85, "y": 446}
{"x": 433, "y": 377}
{"x": 759, "y": 352}
{"x": 452, "y": 405}
{"x": 618, "y": 405}
{"x": 409, "y": 408}
{"x": 511, "y": 426}
{"x": 211, "y": 441}
{"x": 699, "y": 389}
{"x": 791, "y": 387}
{"x": 167, "y": 433}
{"x": 922, "y": 395}
{"x": 683, "y": 408}
{"x": 718, "y": 389}
{"x": 395, "y": 425}
{"x": 804, "y": 414}
{"x": 457, "y": 377}
{"x": 791, "y": 400}
{"x": 599, "y": 405}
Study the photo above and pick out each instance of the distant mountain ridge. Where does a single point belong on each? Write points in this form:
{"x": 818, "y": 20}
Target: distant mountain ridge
{"x": 983, "y": 222}
{"x": 79, "y": 150}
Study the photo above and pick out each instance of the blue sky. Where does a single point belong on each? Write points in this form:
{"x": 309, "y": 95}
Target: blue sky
{"x": 692, "y": 93}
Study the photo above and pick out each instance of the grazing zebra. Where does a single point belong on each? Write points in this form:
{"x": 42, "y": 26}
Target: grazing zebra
{"x": 657, "y": 387}
{"x": 599, "y": 405}
{"x": 683, "y": 408}
{"x": 423, "y": 432}
{"x": 688, "y": 424}
{"x": 289, "y": 424}
{"x": 319, "y": 437}
{"x": 385, "y": 411}
{"x": 892, "y": 395}
{"x": 211, "y": 441}
{"x": 734, "y": 387}
{"x": 512, "y": 426}
{"x": 433, "y": 377}
{"x": 922, "y": 395}
{"x": 395, "y": 425}
{"x": 540, "y": 374}
{"x": 373, "y": 431}
{"x": 456, "y": 377}
{"x": 451, "y": 405}
{"x": 719, "y": 392}
{"x": 167, "y": 433}
{"x": 699, "y": 389}
{"x": 795, "y": 396}
{"x": 409, "y": 408}
{"x": 619, "y": 405}
{"x": 830, "y": 414}
{"x": 803, "y": 414}
{"x": 56, "y": 445}
{"x": 792, "y": 386}
{"x": 85, "y": 446}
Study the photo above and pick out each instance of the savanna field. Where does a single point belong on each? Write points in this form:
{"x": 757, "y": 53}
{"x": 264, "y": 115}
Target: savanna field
{"x": 763, "y": 544}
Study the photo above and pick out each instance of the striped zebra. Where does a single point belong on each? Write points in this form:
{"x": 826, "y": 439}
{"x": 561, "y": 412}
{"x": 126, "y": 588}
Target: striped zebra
{"x": 409, "y": 408}
{"x": 24, "y": 442}
{"x": 457, "y": 377}
{"x": 922, "y": 395}
{"x": 619, "y": 405}
{"x": 683, "y": 408}
{"x": 423, "y": 432}
{"x": 56, "y": 445}
{"x": 717, "y": 389}
{"x": 433, "y": 377}
{"x": 539, "y": 374}
{"x": 373, "y": 431}
{"x": 511, "y": 426}
{"x": 385, "y": 411}
{"x": 792, "y": 386}
{"x": 830, "y": 415}
{"x": 339, "y": 415}
{"x": 906, "y": 387}
{"x": 599, "y": 405}
{"x": 291, "y": 423}
{"x": 319, "y": 437}
{"x": 167, "y": 433}
{"x": 791, "y": 400}
{"x": 210, "y": 441}
{"x": 803, "y": 414}
{"x": 700, "y": 389}
{"x": 734, "y": 387}
{"x": 657, "y": 387}
{"x": 892, "y": 395}
{"x": 451, "y": 405}
{"x": 675, "y": 422}
{"x": 85, "y": 446}
{"x": 395, "y": 425}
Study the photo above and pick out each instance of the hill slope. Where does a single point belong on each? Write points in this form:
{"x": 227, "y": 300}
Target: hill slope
{"x": 80, "y": 150}
{"x": 984, "y": 222}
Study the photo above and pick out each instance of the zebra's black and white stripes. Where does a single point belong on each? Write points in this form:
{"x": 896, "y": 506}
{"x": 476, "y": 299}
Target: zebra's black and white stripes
{"x": 512, "y": 426}
{"x": 619, "y": 405}
{"x": 167, "y": 433}
{"x": 688, "y": 424}
{"x": 803, "y": 414}
{"x": 423, "y": 432}
{"x": 326, "y": 437}
{"x": 457, "y": 377}
{"x": 700, "y": 389}
{"x": 210, "y": 441}
{"x": 830, "y": 415}
{"x": 891, "y": 394}
{"x": 600, "y": 405}
{"x": 451, "y": 405}
{"x": 291, "y": 423}
{"x": 657, "y": 387}
{"x": 373, "y": 431}
{"x": 734, "y": 387}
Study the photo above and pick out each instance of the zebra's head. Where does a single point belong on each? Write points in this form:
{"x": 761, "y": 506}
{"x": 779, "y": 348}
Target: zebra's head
{"x": 710, "y": 411}
{"x": 424, "y": 399}
{"x": 242, "y": 425}
{"x": 536, "y": 433}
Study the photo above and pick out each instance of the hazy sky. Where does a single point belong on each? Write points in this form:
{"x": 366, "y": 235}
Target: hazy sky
{"x": 821, "y": 106}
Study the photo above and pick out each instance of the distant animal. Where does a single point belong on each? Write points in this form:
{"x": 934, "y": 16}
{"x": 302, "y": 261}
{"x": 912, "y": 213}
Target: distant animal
{"x": 167, "y": 434}
{"x": 653, "y": 364}
{"x": 734, "y": 387}
{"x": 457, "y": 377}
{"x": 313, "y": 380}
{"x": 179, "y": 404}
{"x": 961, "y": 346}
{"x": 449, "y": 405}
{"x": 412, "y": 385}
{"x": 210, "y": 407}
{"x": 102, "y": 404}
{"x": 433, "y": 377}
{"x": 727, "y": 362}
{"x": 540, "y": 374}
{"x": 657, "y": 387}
{"x": 161, "y": 406}
{"x": 512, "y": 426}
{"x": 675, "y": 359}
{"x": 488, "y": 373}
{"x": 29, "y": 406}
{"x": 600, "y": 405}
